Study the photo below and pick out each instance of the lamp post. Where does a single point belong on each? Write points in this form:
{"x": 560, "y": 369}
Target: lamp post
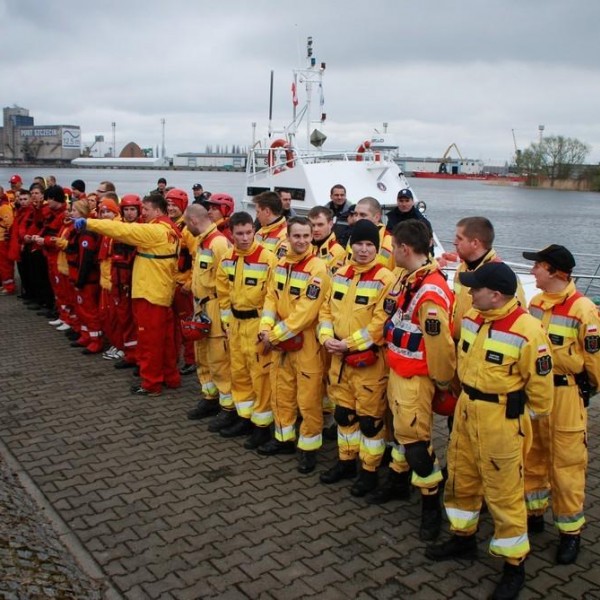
{"x": 541, "y": 130}
{"x": 162, "y": 122}
{"x": 114, "y": 132}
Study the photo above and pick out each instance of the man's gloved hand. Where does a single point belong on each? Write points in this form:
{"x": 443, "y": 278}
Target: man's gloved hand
{"x": 80, "y": 224}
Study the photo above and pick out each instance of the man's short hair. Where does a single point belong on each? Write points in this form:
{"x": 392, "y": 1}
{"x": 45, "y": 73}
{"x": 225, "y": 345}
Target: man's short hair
{"x": 270, "y": 200}
{"x": 240, "y": 218}
{"x": 372, "y": 203}
{"x": 415, "y": 234}
{"x": 157, "y": 201}
{"x": 297, "y": 221}
{"x": 317, "y": 211}
{"x": 36, "y": 186}
{"x": 111, "y": 195}
{"x": 478, "y": 228}
{"x": 109, "y": 185}
{"x": 336, "y": 187}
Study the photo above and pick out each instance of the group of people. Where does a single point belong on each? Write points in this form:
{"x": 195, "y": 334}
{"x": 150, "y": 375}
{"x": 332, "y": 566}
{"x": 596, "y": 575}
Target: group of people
{"x": 297, "y": 325}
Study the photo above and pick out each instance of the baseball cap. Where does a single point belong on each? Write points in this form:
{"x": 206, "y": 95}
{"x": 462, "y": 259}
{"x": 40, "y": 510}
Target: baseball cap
{"x": 16, "y": 179}
{"x": 556, "y": 256}
{"x": 162, "y": 180}
{"x": 197, "y": 186}
{"x": 497, "y": 276}
{"x": 405, "y": 193}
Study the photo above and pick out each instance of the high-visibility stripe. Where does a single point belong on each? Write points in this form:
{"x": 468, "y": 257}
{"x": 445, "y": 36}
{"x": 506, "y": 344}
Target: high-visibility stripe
{"x": 372, "y": 447}
{"x": 462, "y": 520}
{"x": 537, "y": 500}
{"x": 262, "y": 419}
{"x": 226, "y": 401}
{"x": 349, "y": 442}
{"x": 244, "y": 409}
{"x": 285, "y": 434}
{"x": 210, "y": 389}
{"x": 569, "y": 523}
{"x": 514, "y": 547}
{"x": 431, "y": 480}
{"x": 310, "y": 443}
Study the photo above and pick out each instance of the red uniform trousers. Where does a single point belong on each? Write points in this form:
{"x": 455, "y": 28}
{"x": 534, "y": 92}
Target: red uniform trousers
{"x": 126, "y": 324}
{"x": 183, "y": 307}
{"x": 108, "y": 319}
{"x": 65, "y": 298}
{"x": 7, "y": 269}
{"x": 156, "y": 351}
{"x": 87, "y": 312}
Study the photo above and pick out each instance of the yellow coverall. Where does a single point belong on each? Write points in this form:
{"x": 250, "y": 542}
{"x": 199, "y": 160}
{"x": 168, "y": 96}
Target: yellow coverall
{"x": 557, "y": 461}
{"x": 295, "y": 293}
{"x": 500, "y": 351}
{"x": 212, "y": 353}
{"x": 421, "y": 356}
{"x": 355, "y": 312}
{"x": 273, "y": 237}
{"x": 242, "y": 286}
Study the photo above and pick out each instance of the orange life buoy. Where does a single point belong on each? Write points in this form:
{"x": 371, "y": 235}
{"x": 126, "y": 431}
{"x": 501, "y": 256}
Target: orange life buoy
{"x": 362, "y": 149}
{"x": 289, "y": 153}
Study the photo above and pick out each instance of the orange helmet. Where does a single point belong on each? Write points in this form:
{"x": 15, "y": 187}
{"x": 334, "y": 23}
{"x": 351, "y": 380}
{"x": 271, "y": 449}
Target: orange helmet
{"x": 178, "y": 197}
{"x": 195, "y": 328}
{"x": 444, "y": 403}
{"x": 131, "y": 200}
{"x": 224, "y": 201}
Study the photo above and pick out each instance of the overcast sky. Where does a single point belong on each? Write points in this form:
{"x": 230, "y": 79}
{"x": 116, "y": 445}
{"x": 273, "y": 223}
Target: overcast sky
{"x": 465, "y": 72}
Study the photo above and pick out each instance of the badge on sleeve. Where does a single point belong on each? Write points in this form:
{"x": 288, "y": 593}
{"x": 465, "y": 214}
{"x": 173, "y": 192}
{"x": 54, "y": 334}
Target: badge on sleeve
{"x": 591, "y": 343}
{"x": 543, "y": 365}
{"x": 389, "y": 306}
{"x": 433, "y": 326}
{"x": 313, "y": 291}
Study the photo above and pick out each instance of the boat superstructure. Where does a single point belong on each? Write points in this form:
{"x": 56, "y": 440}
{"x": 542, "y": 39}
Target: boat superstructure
{"x": 294, "y": 158}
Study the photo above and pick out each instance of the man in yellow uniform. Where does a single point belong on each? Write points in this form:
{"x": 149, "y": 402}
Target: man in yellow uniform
{"x": 351, "y": 324}
{"x": 295, "y": 294}
{"x": 370, "y": 209}
{"x": 272, "y": 234}
{"x": 325, "y": 244}
{"x": 153, "y": 286}
{"x": 557, "y": 462}
{"x": 505, "y": 366}
{"x": 212, "y": 352}
{"x": 421, "y": 357}
{"x": 242, "y": 277}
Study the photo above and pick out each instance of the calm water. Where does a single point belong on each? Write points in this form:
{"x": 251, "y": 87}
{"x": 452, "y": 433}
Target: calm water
{"x": 523, "y": 218}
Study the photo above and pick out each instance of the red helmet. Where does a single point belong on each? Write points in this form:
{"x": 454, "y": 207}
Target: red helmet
{"x": 131, "y": 200}
{"x": 16, "y": 179}
{"x": 225, "y": 203}
{"x": 444, "y": 403}
{"x": 195, "y": 328}
{"x": 178, "y": 197}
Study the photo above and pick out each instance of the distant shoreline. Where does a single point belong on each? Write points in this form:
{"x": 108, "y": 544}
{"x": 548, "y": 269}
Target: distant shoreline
{"x": 61, "y": 165}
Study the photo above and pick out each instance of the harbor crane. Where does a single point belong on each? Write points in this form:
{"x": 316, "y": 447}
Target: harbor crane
{"x": 443, "y": 168}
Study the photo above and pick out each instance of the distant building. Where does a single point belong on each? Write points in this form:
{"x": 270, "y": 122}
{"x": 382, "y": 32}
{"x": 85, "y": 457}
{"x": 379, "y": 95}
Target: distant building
{"x": 21, "y": 140}
{"x": 206, "y": 160}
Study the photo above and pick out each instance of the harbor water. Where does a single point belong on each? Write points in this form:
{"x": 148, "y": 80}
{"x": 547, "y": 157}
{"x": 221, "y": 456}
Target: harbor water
{"x": 524, "y": 218}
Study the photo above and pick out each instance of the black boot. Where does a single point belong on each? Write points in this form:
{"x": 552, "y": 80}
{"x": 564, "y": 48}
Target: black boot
{"x": 343, "y": 469}
{"x": 568, "y": 549}
{"x": 396, "y": 487}
{"x": 535, "y": 524}
{"x": 225, "y": 418}
{"x": 239, "y": 428}
{"x": 205, "y": 408}
{"x": 511, "y": 583}
{"x": 258, "y": 437}
{"x": 307, "y": 461}
{"x": 431, "y": 517}
{"x": 458, "y": 546}
{"x": 274, "y": 446}
{"x": 366, "y": 482}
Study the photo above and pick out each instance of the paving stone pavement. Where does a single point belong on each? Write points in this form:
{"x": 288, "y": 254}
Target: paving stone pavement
{"x": 167, "y": 510}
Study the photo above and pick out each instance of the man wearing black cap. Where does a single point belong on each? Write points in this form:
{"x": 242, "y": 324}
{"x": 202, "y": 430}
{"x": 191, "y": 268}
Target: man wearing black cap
{"x": 557, "y": 462}
{"x": 199, "y": 194}
{"x": 351, "y": 330}
{"x": 78, "y": 188}
{"x": 505, "y": 368}
{"x": 422, "y": 359}
{"x": 404, "y": 211}
{"x": 161, "y": 185}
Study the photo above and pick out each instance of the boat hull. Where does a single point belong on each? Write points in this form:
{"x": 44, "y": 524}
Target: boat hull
{"x": 470, "y": 176}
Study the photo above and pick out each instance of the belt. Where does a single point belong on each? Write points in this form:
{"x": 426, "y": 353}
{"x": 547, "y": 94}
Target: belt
{"x": 475, "y": 394}
{"x": 244, "y": 314}
{"x": 562, "y": 380}
{"x": 147, "y": 255}
{"x": 204, "y": 300}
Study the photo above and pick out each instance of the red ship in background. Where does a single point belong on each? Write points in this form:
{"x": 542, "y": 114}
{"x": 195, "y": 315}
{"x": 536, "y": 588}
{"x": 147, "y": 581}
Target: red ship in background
{"x": 471, "y": 176}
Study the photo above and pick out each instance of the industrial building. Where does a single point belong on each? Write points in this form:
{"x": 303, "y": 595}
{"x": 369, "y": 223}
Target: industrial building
{"x": 22, "y": 140}
{"x": 208, "y": 161}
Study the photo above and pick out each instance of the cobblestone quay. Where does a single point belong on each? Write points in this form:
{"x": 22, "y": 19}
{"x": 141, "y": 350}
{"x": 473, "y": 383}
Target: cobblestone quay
{"x": 155, "y": 506}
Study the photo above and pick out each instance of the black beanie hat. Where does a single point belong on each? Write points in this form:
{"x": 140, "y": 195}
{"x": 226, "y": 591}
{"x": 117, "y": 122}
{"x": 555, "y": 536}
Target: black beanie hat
{"x": 365, "y": 230}
{"x": 79, "y": 185}
{"x": 55, "y": 192}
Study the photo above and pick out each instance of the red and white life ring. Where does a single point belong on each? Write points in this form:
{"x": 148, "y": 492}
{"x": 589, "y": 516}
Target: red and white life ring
{"x": 289, "y": 153}
{"x": 362, "y": 149}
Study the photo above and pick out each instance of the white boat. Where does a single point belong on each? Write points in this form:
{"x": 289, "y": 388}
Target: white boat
{"x": 282, "y": 160}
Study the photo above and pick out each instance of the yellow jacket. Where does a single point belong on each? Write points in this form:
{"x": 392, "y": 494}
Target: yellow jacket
{"x": 242, "y": 278}
{"x": 462, "y": 298}
{"x": 155, "y": 264}
{"x": 573, "y": 326}
{"x": 211, "y": 247}
{"x": 331, "y": 252}
{"x": 187, "y": 249}
{"x": 273, "y": 236}
{"x": 297, "y": 288}
{"x": 385, "y": 256}
{"x": 506, "y": 350}
{"x": 355, "y": 308}
{"x": 6, "y": 220}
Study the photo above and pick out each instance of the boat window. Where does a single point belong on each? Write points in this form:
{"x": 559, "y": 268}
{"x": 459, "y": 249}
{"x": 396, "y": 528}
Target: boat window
{"x": 255, "y": 191}
{"x": 297, "y": 193}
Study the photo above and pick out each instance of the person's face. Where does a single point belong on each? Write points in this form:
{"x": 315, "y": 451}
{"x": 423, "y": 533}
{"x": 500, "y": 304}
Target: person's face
{"x": 466, "y": 248}
{"x": 483, "y": 298}
{"x": 400, "y": 253}
{"x": 191, "y": 224}
{"x": 197, "y": 192}
{"x": 149, "y": 213}
{"x": 363, "y": 211}
{"x": 214, "y": 213}
{"x": 405, "y": 204}
{"x": 37, "y": 198}
{"x": 173, "y": 210}
{"x": 321, "y": 227}
{"x": 92, "y": 202}
{"x": 76, "y": 194}
{"x": 364, "y": 252}
{"x": 263, "y": 216}
{"x": 101, "y": 190}
{"x": 300, "y": 238}
{"x": 243, "y": 236}
{"x": 161, "y": 187}
{"x": 24, "y": 200}
{"x": 54, "y": 205}
{"x": 286, "y": 200}
{"x": 74, "y": 213}
{"x": 130, "y": 214}
{"x": 51, "y": 180}
{"x": 543, "y": 277}
{"x": 352, "y": 218}
{"x": 338, "y": 196}
{"x": 105, "y": 213}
